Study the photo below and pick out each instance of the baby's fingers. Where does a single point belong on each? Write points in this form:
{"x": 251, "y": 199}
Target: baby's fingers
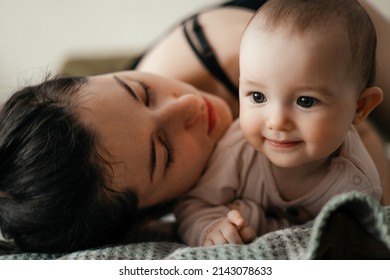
{"x": 232, "y": 235}
{"x": 235, "y": 218}
{"x": 208, "y": 242}
{"x": 247, "y": 234}
{"x": 223, "y": 233}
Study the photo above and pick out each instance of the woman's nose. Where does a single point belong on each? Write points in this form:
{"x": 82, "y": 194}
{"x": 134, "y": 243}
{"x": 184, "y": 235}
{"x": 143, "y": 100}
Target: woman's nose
{"x": 182, "y": 111}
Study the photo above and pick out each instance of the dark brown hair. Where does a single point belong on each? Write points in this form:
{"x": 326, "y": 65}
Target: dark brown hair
{"x": 55, "y": 191}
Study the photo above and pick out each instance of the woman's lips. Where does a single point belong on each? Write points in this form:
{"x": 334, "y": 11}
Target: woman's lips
{"x": 211, "y": 116}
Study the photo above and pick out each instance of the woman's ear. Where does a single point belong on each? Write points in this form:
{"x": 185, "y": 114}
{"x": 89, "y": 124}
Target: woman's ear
{"x": 367, "y": 101}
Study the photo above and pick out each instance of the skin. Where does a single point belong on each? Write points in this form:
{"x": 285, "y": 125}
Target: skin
{"x": 298, "y": 119}
{"x": 129, "y": 109}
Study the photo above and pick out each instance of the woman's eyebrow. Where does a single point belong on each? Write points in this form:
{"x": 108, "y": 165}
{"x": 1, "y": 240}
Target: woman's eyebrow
{"x": 127, "y": 88}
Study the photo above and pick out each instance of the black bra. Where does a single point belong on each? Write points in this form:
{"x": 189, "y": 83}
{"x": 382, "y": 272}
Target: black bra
{"x": 201, "y": 47}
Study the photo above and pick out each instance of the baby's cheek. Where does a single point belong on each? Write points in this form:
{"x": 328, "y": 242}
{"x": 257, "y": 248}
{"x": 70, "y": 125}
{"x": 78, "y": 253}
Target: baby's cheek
{"x": 253, "y": 136}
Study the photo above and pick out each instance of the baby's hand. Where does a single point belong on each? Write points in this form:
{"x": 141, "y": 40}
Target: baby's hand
{"x": 233, "y": 229}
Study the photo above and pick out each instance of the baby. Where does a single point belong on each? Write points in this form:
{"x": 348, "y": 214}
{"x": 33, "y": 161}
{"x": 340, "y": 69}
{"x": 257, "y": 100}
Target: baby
{"x": 307, "y": 70}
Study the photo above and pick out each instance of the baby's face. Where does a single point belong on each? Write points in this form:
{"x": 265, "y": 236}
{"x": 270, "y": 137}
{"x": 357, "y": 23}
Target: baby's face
{"x": 297, "y": 99}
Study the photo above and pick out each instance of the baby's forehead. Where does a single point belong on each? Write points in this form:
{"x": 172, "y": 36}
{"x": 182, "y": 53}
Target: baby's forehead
{"x": 320, "y": 55}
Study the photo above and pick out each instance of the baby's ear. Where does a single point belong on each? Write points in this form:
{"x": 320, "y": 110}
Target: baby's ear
{"x": 367, "y": 101}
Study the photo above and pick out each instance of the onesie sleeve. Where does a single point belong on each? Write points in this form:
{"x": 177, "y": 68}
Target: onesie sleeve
{"x": 219, "y": 191}
{"x": 207, "y": 202}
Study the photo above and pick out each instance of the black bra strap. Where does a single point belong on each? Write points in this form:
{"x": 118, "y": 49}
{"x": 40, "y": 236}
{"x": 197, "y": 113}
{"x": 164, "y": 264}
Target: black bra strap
{"x": 206, "y": 54}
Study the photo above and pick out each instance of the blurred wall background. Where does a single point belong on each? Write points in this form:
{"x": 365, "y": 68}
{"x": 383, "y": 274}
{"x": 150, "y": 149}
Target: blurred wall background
{"x": 38, "y": 36}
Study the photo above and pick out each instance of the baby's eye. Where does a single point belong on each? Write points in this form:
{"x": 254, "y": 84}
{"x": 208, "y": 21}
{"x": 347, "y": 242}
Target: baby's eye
{"x": 306, "y": 101}
{"x": 258, "y": 97}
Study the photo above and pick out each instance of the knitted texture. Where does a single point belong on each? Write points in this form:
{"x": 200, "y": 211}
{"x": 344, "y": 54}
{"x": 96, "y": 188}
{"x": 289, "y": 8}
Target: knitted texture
{"x": 350, "y": 226}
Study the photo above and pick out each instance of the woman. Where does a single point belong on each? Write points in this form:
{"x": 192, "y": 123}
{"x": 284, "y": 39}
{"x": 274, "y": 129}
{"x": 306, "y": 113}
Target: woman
{"x": 80, "y": 155}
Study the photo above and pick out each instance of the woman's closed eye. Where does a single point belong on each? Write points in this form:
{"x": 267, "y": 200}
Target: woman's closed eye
{"x": 169, "y": 158}
{"x": 138, "y": 90}
{"x": 147, "y": 93}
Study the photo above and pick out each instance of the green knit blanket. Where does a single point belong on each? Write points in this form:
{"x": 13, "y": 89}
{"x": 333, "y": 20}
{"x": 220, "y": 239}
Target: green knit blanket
{"x": 350, "y": 226}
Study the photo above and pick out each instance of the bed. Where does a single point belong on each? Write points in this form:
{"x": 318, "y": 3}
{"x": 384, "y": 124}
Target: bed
{"x": 350, "y": 226}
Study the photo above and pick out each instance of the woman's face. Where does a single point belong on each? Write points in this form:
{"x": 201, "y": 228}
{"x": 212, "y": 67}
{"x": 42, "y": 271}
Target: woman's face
{"x": 159, "y": 133}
